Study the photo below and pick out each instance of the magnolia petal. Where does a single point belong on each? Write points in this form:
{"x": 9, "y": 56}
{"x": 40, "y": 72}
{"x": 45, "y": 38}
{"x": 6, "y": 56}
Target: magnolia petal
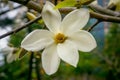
{"x": 50, "y": 60}
{"x": 37, "y": 40}
{"x": 75, "y": 20}
{"x": 10, "y": 57}
{"x": 84, "y": 40}
{"x": 68, "y": 53}
{"x": 7, "y": 50}
{"x": 51, "y": 17}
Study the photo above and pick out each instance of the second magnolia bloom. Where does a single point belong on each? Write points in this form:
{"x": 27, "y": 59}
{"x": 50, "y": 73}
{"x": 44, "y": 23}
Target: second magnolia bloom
{"x": 62, "y": 40}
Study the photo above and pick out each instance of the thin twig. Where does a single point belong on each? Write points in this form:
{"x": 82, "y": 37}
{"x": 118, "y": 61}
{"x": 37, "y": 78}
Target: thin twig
{"x": 20, "y": 28}
{"x": 105, "y": 58}
{"x": 90, "y": 28}
{"x": 30, "y": 66}
{"x": 10, "y": 10}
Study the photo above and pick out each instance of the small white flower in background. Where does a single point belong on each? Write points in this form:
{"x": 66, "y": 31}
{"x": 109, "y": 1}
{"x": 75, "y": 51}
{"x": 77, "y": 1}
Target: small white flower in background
{"x": 62, "y": 40}
{"x": 9, "y": 51}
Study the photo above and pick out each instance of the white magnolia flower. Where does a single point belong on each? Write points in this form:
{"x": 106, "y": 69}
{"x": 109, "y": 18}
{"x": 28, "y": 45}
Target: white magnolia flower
{"x": 9, "y": 51}
{"x": 62, "y": 40}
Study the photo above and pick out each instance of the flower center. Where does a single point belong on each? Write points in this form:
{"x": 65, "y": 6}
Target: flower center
{"x": 60, "y": 38}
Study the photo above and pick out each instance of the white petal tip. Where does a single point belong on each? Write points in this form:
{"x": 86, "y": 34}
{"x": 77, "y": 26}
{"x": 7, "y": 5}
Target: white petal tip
{"x": 49, "y": 72}
{"x": 74, "y": 65}
{"x": 91, "y": 49}
{"x": 95, "y": 45}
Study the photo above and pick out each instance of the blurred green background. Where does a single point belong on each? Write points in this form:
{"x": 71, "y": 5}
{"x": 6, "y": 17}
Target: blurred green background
{"x": 103, "y": 63}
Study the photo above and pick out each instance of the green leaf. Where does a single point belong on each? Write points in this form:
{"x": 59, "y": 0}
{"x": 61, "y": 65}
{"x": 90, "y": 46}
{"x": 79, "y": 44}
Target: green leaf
{"x": 66, "y": 3}
{"x": 71, "y": 3}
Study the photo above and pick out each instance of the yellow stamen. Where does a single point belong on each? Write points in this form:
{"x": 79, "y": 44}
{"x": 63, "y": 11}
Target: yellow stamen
{"x": 60, "y": 38}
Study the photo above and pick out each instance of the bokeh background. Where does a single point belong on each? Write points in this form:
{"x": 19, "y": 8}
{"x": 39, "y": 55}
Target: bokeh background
{"x": 103, "y": 63}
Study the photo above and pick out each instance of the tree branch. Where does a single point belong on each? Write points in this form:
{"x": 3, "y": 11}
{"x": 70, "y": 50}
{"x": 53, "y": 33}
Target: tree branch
{"x": 20, "y": 28}
{"x": 23, "y": 2}
{"x": 29, "y": 4}
{"x": 105, "y": 17}
{"x": 30, "y": 66}
{"x": 37, "y": 7}
{"x": 10, "y": 10}
{"x": 34, "y": 5}
{"x": 96, "y": 15}
{"x": 104, "y": 10}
